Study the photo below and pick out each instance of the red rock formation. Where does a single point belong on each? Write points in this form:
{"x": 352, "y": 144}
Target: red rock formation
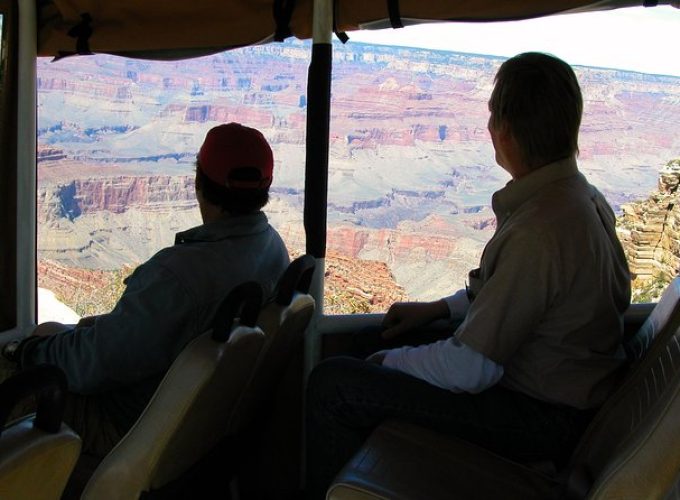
{"x": 114, "y": 194}
{"x": 86, "y": 291}
{"x": 351, "y": 286}
{"x": 358, "y": 286}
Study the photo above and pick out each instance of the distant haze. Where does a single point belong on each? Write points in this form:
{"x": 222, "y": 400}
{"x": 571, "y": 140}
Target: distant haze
{"x": 637, "y": 39}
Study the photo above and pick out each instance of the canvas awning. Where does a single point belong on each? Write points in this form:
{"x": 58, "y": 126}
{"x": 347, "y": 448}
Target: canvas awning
{"x": 164, "y": 28}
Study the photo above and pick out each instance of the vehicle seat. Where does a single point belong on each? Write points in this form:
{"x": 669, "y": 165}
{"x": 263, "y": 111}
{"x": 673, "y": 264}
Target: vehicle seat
{"x": 38, "y": 451}
{"x": 269, "y": 417}
{"x": 188, "y": 413}
{"x": 628, "y": 451}
{"x": 284, "y": 322}
{"x": 663, "y": 320}
{"x": 402, "y": 461}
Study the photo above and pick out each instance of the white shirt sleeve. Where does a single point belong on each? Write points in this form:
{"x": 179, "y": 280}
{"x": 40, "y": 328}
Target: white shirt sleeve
{"x": 448, "y": 364}
{"x": 458, "y": 304}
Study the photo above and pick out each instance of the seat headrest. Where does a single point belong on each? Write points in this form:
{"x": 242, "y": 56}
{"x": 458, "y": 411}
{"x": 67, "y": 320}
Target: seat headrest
{"x": 244, "y": 301}
{"x": 296, "y": 278}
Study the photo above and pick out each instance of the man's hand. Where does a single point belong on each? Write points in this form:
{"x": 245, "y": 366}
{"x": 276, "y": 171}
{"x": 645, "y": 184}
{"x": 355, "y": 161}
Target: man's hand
{"x": 405, "y": 316}
{"x": 48, "y": 329}
{"x": 87, "y": 321}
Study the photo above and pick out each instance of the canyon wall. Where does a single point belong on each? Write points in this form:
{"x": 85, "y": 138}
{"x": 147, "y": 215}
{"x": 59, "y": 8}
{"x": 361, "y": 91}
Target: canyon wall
{"x": 650, "y": 233}
{"x": 411, "y": 167}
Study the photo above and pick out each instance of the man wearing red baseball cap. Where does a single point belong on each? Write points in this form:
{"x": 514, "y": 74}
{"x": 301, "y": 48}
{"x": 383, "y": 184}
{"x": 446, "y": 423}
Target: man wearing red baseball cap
{"x": 234, "y": 170}
{"x": 236, "y": 156}
{"x": 114, "y": 362}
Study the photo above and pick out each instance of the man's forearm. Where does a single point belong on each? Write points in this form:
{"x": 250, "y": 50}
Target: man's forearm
{"x": 49, "y": 328}
{"x": 457, "y": 304}
{"x": 448, "y": 364}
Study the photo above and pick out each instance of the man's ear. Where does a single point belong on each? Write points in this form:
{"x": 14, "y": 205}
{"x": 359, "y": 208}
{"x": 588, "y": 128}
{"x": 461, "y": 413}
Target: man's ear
{"x": 514, "y": 158}
{"x": 503, "y": 131}
{"x": 505, "y": 137}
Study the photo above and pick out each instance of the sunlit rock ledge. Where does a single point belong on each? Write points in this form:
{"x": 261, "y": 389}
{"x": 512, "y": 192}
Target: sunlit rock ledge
{"x": 649, "y": 231}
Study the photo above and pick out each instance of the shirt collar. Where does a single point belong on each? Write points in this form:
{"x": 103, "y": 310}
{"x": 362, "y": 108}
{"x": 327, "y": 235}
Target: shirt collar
{"x": 507, "y": 200}
{"x": 234, "y": 225}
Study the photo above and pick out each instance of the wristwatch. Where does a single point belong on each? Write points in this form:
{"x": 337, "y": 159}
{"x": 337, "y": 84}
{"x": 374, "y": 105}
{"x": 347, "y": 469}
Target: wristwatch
{"x": 10, "y": 350}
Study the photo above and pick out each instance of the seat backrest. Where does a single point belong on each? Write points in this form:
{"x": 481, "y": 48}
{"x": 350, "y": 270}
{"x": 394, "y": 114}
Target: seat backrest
{"x": 630, "y": 449}
{"x": 663, "y": 321}
{"x": 187, "y": 414}
{"x": 284, "y": 322}
{"x": 37, "y": 452}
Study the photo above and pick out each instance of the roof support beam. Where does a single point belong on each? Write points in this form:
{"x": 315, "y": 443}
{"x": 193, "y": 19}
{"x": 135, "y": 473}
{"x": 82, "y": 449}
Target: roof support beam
{"x": 26, "y": 168}
{"x": 316, "y": 161}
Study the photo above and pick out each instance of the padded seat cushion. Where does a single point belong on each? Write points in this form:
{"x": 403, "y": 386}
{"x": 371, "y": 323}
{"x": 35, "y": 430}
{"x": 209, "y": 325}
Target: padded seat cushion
{"x": 663, "y": 320}
{"x": 404, "y": 462}
{"x": 185, "y": 418}
{"x": 35, "y": 463}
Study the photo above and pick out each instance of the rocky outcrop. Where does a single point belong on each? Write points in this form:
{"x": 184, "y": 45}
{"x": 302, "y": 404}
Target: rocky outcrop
{"x": 351, "y": 286}
{"x": 86, "y": 291}
{"x": 428, "y": 259}
{"x": 358, "y": 286}
{"x": 115, "y": 194}
{"x": 650, "y": 230}
{"x": 392, "y": 245}
{"x": 49, "y": 154}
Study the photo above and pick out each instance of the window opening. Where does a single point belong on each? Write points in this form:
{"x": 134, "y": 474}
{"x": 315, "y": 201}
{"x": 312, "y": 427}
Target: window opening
{"x": 117, "y": 142}
{"x": 412, "y": 166}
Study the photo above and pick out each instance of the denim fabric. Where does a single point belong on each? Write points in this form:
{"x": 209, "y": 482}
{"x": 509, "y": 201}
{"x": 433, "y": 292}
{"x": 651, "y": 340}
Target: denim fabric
{"x": 347, "y": 398}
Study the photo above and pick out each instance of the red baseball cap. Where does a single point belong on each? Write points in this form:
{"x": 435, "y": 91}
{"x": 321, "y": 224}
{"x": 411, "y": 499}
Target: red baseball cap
{"x": 230, "y": 147}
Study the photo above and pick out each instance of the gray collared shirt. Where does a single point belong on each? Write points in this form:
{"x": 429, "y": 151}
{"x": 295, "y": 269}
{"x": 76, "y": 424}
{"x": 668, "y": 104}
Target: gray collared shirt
{"x": 168, "y": 301}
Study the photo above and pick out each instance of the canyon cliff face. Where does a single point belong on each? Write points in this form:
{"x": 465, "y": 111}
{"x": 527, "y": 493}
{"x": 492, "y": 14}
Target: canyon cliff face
{"x": 108, "y": 223}
{"x": 395, "y": 107}
{"x": 351, "y": 286}
{"x": 358, "y": 286}
{"x": 115, "y": 195}
{"x": 650, "y": 232}
{"x": 411, "y": 169}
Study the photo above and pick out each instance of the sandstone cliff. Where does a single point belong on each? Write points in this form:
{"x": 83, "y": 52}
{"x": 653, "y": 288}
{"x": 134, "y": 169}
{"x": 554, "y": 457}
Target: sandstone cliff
{"x": 650, "y": 233}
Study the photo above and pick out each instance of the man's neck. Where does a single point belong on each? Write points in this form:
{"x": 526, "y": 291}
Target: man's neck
{"x": 213, "y": 214}
{"x": 514, "y": 164}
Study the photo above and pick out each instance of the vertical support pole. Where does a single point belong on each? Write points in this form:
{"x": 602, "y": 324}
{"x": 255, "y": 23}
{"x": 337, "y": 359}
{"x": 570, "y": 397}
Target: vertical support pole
{"x": 316, "y": 176}
{"x": 26, "y": 168}
{"x": 316, "y": 161}
{"x": 8, "y": 164}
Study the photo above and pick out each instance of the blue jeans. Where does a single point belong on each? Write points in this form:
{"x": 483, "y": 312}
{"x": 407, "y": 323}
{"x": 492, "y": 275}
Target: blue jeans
{"x": 347, "y": 398}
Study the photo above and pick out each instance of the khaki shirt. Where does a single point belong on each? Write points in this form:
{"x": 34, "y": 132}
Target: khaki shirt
{"x": 551, "y": 289}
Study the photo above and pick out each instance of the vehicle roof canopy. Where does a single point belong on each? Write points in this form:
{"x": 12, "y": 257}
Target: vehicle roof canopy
{"x": 177, "y": 29}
